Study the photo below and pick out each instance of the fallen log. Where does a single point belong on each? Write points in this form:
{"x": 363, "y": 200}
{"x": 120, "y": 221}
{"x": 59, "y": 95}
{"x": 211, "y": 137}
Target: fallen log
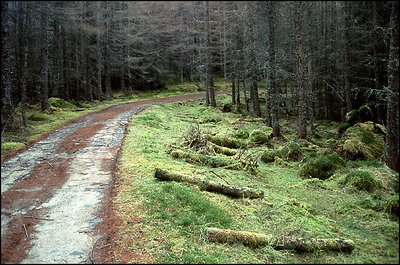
{"x": 289, "y": 243}
{"x": 222, "y": 150}
{"x": 208, "y": 185}
{"x": 212, "y": 161}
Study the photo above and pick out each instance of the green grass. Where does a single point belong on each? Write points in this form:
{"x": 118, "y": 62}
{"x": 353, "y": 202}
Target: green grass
{"x": 175, "y": 215}
{"x": 40, "y": 123}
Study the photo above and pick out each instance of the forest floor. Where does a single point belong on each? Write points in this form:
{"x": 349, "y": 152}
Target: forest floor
{"x": 96, "y": 176}
{"x": 54, "y": 193}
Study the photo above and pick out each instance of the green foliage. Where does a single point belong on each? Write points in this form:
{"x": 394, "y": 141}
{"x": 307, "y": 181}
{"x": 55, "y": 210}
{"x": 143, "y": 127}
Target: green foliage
{"x": 258, "y": 137}
{"x": 322, "y": 167}
{"x": 61, "y": 103}
{"x": 227, "y": 107}
{"x": 362, "y": 180}
{"x": 364, "y": 163}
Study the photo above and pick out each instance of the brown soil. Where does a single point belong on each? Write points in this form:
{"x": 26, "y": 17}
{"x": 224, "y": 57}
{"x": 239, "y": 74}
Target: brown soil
{"x": 48, "y": 176}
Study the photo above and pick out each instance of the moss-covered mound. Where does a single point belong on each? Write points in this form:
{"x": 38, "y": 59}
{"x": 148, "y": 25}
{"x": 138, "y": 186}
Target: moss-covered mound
{"x": 391, "y": 205}
{"x": 343, "y": 127}
{"x": 61, "y": 103}
{"x": 269, "y": 155}
{"x": 38, "y": 117}
{"x": 322, "y": 167}
{"x": 362, "y": 180}
{"x": 241, "y": 134}
{"x": 291, "y": 151}
{"x": 258, "y": 137}
{"x": 363, "y": 114}
{"x": 229, "y": 142}
{"x": 361, "y": 142}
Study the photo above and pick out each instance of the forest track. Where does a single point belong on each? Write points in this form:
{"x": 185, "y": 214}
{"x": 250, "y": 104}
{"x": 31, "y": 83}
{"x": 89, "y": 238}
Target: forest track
{"x": 54, "y": 194}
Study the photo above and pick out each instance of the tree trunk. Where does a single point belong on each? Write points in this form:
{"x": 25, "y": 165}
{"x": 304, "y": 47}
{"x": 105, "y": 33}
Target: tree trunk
{"x": 272, "y": 72}
{"x": 302, "y": 101}
{"x": 232, "y": 191}
{"x": 347, "y": 57}
{"x": 98, "y": 55}
{"x": 392, "y": 125}
{"x": 108, "y": 57}
{"x": 209, "y": 57}
{"x": 44, "y": 73}
{"x": 255, "y": 98}
{"x": 23, "y": 58}
{"x": 7, "y": 108}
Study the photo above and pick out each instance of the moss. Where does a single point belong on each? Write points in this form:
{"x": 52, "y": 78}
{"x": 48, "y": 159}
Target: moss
{"x": 241, "y": 134}
{"x": 359, "y": 142}
{"x": 292, "y": 151}
{"x": 227, "y": 107}
{"x": 362, "y": 180}
{"x": 38, "y": 117}
{"x": 226, "y": 141}
{"x": 391, "y": 205}
{"x": 343, "y": 127}
{"x": 258, "y": 137}
{"x": 7, "y": 147}
{"x": 322, "y": 167}
{"x": 365, "y": 113}
{"x": 352, "y": 117}
{"x": 61, "y": 103}
{"x": 269, "y": 155}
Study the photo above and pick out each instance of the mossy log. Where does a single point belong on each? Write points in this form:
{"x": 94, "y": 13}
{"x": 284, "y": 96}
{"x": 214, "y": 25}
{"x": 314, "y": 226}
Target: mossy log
{"x": 212, "y": 161}
{"x": 223, "y": 150}
{"x": 289, "y": 243}
{"x": 226, "y": 141}
{"x": 232, "y": 191}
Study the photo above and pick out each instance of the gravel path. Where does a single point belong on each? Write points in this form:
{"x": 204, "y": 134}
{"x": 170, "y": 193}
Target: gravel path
{"x": 52, "y": 192}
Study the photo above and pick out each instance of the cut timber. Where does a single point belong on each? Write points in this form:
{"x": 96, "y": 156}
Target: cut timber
{"x": 211, "y": 186}
{"x": 299, "y": 244}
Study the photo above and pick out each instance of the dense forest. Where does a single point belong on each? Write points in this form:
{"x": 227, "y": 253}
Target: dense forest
{"x": 314, "y": 59}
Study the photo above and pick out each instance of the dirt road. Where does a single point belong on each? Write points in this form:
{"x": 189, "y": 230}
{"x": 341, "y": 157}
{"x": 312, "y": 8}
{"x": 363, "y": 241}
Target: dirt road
{"x": 52, "y": 192}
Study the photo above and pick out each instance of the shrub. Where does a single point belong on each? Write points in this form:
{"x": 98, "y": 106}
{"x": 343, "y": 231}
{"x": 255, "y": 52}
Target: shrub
{"x": 362, "y": 180}
{"x": 227, "y": 107}
{"x": 258, "y": 137}
{"x": 292, "y": 151}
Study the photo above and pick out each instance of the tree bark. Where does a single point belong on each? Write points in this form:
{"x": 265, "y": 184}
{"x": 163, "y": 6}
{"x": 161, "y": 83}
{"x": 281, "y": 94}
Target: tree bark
{"x": 232, "y": 191}
{"x": 302, "y": 101}
{"x": 44, "y": 73}
{"x": 272, "y": 72}
{"x": 7, "y": 108}
{"x": 392, "y": 125}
